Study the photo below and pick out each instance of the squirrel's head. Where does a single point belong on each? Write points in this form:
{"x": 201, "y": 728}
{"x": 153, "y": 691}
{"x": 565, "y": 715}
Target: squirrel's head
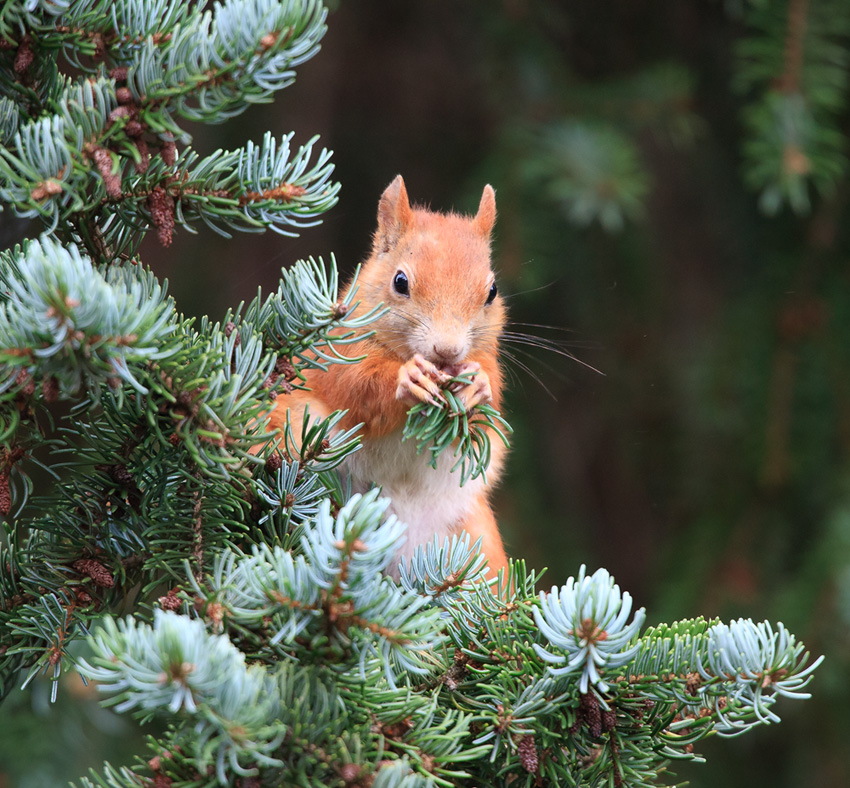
{"x": 433, "y": 271}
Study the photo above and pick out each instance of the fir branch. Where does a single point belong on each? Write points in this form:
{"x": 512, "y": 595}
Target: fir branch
{"x": 794, "y": 66}
{"x": 69, "y": 322}
{"x": 94, "y": 125}
{"x": 294, "y": 495}
{"x": 219, "y": 190}
{"x": 593, "y": 171}
{"x": 447, "y": 423}
{"x": 206, "y": 66}
{"x": 214, "y": 67}
{"x": 586, "y": 621}
{"x": 321, "y": 447}
{"x": 208, "y": 397}
{"x": 444, "y": 572}
{"x": 307, "y": 322}
{"x": 41, "y": 633}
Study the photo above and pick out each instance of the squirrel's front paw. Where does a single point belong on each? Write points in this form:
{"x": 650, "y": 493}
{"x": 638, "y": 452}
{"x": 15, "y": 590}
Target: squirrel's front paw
{"x": 478, "y": 392}
{"x": 419, "y": 381}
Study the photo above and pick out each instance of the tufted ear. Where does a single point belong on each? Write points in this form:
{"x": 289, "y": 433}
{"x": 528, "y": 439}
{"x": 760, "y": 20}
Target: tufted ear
{"x": 486, "y": 216}
{"x": 394, "y": 215}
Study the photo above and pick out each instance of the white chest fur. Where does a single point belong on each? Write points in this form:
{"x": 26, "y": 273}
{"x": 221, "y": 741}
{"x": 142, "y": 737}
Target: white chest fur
{"x": 430, "y": 500}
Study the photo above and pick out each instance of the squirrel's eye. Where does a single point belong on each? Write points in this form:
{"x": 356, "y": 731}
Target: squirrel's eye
{"x": 492, "y": 294}
{"x": 400, "y": 283}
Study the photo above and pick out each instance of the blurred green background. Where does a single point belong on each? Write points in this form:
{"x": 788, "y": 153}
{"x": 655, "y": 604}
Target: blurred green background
{"x": 707, "y": 467}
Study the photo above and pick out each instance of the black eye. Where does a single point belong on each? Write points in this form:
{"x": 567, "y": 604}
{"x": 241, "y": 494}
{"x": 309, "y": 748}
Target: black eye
{"x": 400, "y": 283}
{"x": 492, "y": 294}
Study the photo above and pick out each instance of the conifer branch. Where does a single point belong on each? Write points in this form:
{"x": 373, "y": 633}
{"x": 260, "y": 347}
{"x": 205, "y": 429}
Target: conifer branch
{"x": 792, "y": 64}
{"x": 447, "y": 423}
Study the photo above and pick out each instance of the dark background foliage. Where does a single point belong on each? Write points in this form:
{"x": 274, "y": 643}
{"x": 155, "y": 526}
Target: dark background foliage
{"x": 707, "y": 467}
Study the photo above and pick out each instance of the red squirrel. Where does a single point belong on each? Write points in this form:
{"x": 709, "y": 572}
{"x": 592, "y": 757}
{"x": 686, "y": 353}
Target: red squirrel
{"x": 444, "y": 317}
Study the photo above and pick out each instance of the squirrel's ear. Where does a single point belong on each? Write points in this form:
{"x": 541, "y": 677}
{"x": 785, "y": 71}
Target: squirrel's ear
{"x": 486, "y": 216}
{"x": 394, "y": 215}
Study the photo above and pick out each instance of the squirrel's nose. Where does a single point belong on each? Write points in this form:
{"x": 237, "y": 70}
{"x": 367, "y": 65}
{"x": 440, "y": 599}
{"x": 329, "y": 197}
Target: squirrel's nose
{"x": 445, "y": 353}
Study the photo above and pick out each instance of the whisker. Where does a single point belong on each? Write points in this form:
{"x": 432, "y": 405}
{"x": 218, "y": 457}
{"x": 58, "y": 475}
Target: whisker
{"x": 558, "y": 373}
{"x": 509, "y": 296}
{"x": 545, "y": 342}
{"x": 527, "y": 370}
{"x": 561, "y": 352}
{"x": 542, "y": 325}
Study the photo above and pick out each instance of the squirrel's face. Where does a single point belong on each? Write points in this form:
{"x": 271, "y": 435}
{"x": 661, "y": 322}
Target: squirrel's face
{"x": 433, "y": 273}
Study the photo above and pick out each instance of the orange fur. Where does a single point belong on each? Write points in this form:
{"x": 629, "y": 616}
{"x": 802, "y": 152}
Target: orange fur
{"x": 446, "y": 320}
{"x": 482, "y": 523}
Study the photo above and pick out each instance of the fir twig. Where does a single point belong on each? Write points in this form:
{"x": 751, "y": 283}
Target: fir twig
{"x": 436, "y": 427}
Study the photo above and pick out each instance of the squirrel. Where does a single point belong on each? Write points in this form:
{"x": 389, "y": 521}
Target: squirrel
{"x": 443, "y": 318}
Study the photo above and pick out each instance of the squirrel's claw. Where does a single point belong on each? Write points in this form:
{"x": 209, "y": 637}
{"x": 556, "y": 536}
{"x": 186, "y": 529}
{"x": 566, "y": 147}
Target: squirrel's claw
{"x": 418, "y": 381}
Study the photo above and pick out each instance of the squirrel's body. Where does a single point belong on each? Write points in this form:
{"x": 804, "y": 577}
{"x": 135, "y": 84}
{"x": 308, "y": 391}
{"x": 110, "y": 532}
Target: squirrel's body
{"x": 444, "y": 317}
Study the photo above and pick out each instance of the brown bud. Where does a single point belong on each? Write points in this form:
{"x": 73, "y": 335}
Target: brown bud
{"x": 527, "y": 751}
{"x": 283, "y": 366}
{"x": 169, "y": 153}
{"x": 120, "y": 112}
{"x": 124, "y": 95}
{"x": 161, "y": 207}
{"x": 215, "y": 612}
{"x": 50, "y": 389}
{"x": 119, "y": 74}
{"x": 24, "y": 56}
{"x": 5, "y": 493}
{"x": 795, "y": 161}
{"x": 591, "y": 714}
{"x": 46, "y": 189}
{"x": 350, "y": 773}
{"x": 26, "y": 382}
{"x": 121, "y": 475}
{"x": 170, "y": 601}
{"x": 693, "y": 683}
{"x": 83, "y": 596}
{"x": 144, "y": 161}
{"x": 268, "y": 41}
{"x": 99, "y": 574}
{"x": 397, "y": 730}
{"x": 274, "y": 463}
{"x": 111, "y": 180}
{"x": 99, "y": 46}
{"x": 456, "y": 674}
